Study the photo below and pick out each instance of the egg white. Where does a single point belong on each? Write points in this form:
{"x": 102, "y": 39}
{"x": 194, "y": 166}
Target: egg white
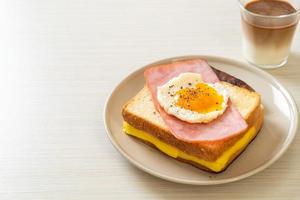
{"x": 167, "y": 98}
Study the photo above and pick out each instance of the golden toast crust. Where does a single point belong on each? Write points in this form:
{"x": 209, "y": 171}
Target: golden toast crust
{"x": 232, "y": 158}
{"x": 207, "y": 150}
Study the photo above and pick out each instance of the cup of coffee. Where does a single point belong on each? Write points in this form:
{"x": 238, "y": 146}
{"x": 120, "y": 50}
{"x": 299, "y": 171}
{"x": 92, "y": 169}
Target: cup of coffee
{"x": 268, "y": 29}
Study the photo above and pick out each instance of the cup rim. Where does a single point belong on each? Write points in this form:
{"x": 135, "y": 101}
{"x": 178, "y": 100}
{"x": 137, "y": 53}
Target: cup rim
{"x": 267, "y": 16}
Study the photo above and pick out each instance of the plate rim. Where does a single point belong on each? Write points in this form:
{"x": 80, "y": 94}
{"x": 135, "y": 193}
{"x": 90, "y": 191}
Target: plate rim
{"x": 291, "y": 133}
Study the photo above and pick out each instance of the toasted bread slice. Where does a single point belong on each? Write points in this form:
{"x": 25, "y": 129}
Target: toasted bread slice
{"x": 140, "y": 114}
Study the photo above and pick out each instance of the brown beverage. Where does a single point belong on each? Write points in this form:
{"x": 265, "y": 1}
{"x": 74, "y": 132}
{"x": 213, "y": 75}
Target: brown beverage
{"x": 266, "y": 39}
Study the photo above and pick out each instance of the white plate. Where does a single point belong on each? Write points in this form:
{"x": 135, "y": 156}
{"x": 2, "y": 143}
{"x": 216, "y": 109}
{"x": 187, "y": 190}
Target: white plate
{"x": 278, "y": 131}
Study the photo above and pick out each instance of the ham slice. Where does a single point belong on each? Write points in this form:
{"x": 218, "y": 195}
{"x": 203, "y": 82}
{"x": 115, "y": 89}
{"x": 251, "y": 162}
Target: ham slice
{"x": 227, "y": 125}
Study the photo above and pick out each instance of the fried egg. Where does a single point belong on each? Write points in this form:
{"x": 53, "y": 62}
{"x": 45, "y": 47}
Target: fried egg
{"x": 190, "y": 99}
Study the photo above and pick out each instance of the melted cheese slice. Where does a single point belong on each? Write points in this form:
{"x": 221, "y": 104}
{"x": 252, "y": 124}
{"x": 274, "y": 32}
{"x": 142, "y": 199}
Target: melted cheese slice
{"x": 172, "y": 151}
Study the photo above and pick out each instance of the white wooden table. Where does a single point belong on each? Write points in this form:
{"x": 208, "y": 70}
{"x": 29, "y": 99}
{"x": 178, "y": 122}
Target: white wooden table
{"x": 60, "y": 59}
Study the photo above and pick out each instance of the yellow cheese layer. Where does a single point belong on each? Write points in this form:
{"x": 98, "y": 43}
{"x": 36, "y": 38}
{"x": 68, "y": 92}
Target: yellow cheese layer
{"x": 216, "y": 166}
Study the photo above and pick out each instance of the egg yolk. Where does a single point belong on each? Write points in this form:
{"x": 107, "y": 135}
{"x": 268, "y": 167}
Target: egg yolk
{"x": 203, "y": 99}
